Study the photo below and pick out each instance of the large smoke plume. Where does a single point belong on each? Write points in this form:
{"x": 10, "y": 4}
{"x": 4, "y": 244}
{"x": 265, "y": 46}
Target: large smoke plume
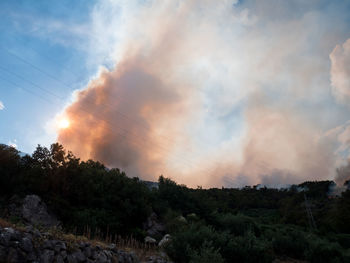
{"x": 210, "y": 93}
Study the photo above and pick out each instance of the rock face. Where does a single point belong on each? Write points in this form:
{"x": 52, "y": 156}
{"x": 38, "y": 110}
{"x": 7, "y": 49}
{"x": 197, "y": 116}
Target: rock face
{"x": 32, "y": 246}
{"x": 153, "y": 226}
{"x": 32, "y": 210}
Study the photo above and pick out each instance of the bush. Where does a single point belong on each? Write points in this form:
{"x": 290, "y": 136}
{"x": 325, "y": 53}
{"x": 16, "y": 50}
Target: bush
{"x": 190, "y": 240}
{"x": 323, "y": 251}
{"x": 206, "y": 254}
{"x": 292, "y": 244}
{"x": 238, "y": 225}
{"x": 247, "y": 248}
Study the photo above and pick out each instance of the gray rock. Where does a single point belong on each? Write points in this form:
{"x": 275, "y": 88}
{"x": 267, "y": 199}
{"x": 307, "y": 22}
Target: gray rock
{"x": 112, "y": 246}
{"x": 88, "y": 252}
{"x": 60, "y": 245}
{"x": 14, "y": 244}
{"x": 34, "y": 211}
{"x": 48, "y": 244}
{"x": 150, "y": 240}
{"x": 181, "y": 219}
{"x": 5, "y": 239}
{"x": 3, "y": 252}
{"x": 9, "y": 230}
{"x": 71, "y": 259}
{"x": 37, "y": 233}
{"x": 101, "y": 257}
{"x": 64, "y": 254}
{"x": 108, "y": 253}
{"x": 47, "y": 256}
{"x": 165, "y": 240}
{"x": 79, "y": 256}
{"x": 59, "y": 259}
{"x": 153, "y": 226}
{"x": 31, "y": 257}
{"x": 26, "y": 244}
{"x": 16, "y": 255}
{"x": 12, "y": 255}
{"x": 12, "y": 234}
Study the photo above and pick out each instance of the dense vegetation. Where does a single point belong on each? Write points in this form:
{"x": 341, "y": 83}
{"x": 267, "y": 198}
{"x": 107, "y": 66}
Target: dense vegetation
{"x": 252, "y": 224}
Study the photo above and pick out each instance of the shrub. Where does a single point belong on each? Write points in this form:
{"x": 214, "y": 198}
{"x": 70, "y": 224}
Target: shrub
{"x": 292, "y": 244}
{"x": 247, "y": 248}
{"x": 324, "y": 251}
{"x": 206, "y": 254}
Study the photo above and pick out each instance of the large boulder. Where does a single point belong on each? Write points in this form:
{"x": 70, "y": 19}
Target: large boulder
{"x": 153, "y": 226}
{"x": 33, "y": 211}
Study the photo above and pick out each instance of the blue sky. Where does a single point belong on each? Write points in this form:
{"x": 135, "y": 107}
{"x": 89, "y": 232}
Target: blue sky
{"x": 40, "y": 48}
{"x": 259, "y": 85}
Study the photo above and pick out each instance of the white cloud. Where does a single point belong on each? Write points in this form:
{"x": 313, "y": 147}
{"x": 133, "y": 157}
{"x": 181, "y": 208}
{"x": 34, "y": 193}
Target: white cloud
{"x": 340, "y": 72}
{"x": 2, "y": 106}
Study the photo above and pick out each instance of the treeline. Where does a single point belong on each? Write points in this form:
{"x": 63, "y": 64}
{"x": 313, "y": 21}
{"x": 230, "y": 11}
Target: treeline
{"x": 252, "y": 224}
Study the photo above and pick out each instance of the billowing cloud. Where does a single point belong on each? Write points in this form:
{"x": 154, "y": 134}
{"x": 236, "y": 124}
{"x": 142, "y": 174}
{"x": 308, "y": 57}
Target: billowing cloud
{"x": 2, "y": 106}
{"x": 209, "y": 93}
{"x": 340, "y": 72}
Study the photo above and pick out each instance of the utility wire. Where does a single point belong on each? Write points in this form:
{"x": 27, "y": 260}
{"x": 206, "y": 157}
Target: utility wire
{"x": 109, "y": 126}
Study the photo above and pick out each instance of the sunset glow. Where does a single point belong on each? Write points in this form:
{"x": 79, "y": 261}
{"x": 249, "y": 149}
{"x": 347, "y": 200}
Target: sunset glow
{"x": 63, "y": 124}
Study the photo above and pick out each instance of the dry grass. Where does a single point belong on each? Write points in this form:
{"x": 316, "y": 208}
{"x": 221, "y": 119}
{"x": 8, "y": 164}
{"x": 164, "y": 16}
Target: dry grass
{"x": 128, "y": 244}
{"x": 5, "y": 223}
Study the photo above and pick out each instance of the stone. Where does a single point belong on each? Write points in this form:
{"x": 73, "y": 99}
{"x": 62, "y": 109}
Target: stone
{"x": 47, "y": 256}
{"x": 101, "y": 257}
{"x": 181, "y": 219}
{"x": 31, "y": 257}
{"x": 3, "y": 252}
{"x": 63, "y": 254}
{"x": 26, "y": 244}
{"x": 71, "y": 259}
{"x": 37, "y": 233}
{"x": 29, "y": 229}
{"x": 10, "y": 230}
{"x": 34, "y": 211}
{"x": 48, "y": 244}
{"x": 108, "y": 253}
{"x": 150, "y": 240}
{"x": 88, "y": 252}
{"x": 5, "y": 239}
{"x": 14, "y": 244}
{"x": 112, "y": 246}
{"x": 153, "y": 226}
{"x": 59, "y": 259}
{"x": 12, "y": 255}
{"x": 60, "y": 245}
{"x": 79, "y": 256}
{"x": 165, "y": 240}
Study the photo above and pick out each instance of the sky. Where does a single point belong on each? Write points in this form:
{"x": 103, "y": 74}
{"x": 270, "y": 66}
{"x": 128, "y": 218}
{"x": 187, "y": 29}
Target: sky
{"x": 210, "y": 93}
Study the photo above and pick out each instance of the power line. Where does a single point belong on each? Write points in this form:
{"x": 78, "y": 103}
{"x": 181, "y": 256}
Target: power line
{"x": 123, "y": 115}
{"x": 109, "y": 125}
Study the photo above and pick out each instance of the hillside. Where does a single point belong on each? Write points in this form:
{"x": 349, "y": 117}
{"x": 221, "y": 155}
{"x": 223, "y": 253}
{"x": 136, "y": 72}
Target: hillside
{"x": 253, "y": 224}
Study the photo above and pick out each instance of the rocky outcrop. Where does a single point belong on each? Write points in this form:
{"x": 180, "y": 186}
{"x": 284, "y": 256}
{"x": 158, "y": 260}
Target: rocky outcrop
{"x": 30, "y": 245}
{"x": 33, "y": 211}
{"x": 153, "y": 226}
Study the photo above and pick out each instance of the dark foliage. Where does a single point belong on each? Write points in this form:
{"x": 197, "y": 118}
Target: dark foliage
{"x": 252, "y": 224}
